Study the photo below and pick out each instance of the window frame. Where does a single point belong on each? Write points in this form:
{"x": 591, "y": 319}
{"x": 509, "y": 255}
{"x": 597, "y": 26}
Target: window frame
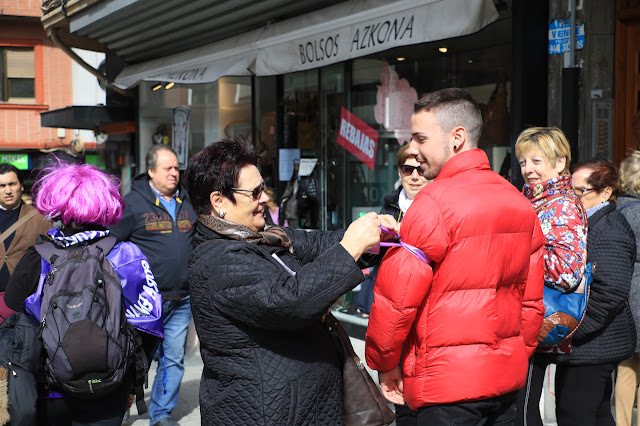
{"x": 39, "y": 84}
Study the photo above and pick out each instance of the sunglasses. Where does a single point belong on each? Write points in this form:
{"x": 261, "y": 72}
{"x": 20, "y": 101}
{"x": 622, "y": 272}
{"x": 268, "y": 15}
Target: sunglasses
{"x": 407, "y": 170}
{"x": 255, "y": 193}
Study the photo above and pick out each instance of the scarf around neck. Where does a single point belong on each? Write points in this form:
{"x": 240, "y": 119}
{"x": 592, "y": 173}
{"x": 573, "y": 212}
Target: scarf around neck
{"x": 273, "y": 236}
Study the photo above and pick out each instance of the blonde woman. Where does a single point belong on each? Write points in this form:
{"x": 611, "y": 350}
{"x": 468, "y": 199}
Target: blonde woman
{"x": 544, "y": 155}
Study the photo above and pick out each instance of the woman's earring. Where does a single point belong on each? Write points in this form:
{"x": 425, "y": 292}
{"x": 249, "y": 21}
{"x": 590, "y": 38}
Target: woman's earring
{"x": 222, "y": 212}
{"x": 455, "y": 147}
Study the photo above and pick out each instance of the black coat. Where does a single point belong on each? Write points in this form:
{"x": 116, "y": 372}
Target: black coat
{"x": 267, "y": 358}
{"x": 607, "y": 333}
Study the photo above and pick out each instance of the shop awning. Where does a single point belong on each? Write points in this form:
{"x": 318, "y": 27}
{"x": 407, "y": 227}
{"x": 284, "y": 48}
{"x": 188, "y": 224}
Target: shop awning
{"x": 334, "y": 34}
{"x": 85, "y": 117}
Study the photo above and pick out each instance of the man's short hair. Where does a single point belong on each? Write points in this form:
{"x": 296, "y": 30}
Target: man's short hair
{"x": 8, "y": 168}
{"x": 453, "y": 107}
{"x": 151, "y": 159}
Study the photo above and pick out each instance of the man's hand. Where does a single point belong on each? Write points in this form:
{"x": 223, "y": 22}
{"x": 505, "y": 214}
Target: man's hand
{"x": 392, "y": 386}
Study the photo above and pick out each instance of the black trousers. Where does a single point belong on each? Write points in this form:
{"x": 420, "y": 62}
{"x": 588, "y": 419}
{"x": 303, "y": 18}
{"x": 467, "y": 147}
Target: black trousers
{"x": 583, "y": 395}
{"x": 499, "y": 410}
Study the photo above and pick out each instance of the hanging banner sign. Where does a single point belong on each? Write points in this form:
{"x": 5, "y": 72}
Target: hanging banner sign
{"x": 358, "y": 138}
{"x": 181, "y": 131}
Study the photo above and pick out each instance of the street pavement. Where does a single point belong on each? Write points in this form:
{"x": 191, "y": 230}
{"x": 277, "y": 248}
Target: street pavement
{"x": 187, "y": 412}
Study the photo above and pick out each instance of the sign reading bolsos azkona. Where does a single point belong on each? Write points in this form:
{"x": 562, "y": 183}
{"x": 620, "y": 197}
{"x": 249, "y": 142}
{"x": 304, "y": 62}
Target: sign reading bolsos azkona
{"x": 358, "y": 138}
{"x": 361, "y": 31}
{"x": 347, "y": 30}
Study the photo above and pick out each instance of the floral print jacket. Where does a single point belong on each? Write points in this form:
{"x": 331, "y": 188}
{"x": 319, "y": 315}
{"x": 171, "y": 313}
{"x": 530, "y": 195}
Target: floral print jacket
{"x": 564, "y": 225}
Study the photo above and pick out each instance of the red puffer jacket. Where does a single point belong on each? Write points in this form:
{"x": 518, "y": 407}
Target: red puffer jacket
{"x": 470, "y": 324}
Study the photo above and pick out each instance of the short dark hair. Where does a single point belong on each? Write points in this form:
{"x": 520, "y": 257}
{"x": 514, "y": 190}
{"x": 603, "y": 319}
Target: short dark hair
{"x": 216, "y": 168}
{"x": 453, "y": 107}
{"x": 151, "y": 159}
{"x": 604, "y": 174}
{"x": 8, "y": 168}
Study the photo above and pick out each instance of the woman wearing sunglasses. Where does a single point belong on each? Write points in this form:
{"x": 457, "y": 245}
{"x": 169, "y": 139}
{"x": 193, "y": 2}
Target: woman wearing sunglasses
{"x": 544, "y": 155}
{"x": 259, "y": 294}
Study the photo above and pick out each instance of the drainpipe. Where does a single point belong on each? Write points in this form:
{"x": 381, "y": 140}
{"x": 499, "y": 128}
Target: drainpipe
{"x": 56, "y": 40}
{"x": 570, "y": 91}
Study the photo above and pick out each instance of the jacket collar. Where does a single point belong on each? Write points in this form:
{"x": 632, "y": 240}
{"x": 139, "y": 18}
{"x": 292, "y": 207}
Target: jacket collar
{"x": 474, "y": 159}
{"x": 600, "y": 214}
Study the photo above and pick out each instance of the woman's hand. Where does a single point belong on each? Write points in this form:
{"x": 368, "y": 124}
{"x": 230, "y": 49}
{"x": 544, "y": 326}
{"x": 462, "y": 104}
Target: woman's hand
{"x": 391, "y": 224}
{"x": 362, "y": 235}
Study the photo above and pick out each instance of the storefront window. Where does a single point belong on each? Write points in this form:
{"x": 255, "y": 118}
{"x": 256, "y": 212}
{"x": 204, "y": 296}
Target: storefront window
{"x": 209, "y": 113}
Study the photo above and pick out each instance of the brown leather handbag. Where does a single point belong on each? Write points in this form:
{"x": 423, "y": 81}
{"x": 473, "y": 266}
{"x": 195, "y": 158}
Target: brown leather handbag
{"x": 362, "y": 401}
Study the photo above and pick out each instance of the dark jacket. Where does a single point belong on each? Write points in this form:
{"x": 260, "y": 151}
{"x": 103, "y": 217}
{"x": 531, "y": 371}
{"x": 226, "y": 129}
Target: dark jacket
{"x": 23, "y": 237}
{"x": 390, "y": 203}
{"x": 607, "y": 333}
{"x": 165, "y": 242}
{"x": 267, "y": 358}
{"x": 629, "y": 206}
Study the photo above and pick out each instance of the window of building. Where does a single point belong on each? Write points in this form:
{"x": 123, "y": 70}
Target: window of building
{"x": 17, "y": 75}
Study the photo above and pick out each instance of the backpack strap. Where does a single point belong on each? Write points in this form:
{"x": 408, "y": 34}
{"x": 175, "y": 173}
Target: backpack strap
{"x": 106, "y": 244}
{"x": 629, "y": 205}
{"x": 141, "y": 370}
{"x": 48, "y": 251}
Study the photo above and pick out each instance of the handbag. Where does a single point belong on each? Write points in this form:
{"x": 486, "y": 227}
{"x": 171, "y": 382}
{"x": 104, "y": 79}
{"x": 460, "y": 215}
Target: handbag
{"x": 564, "y": 312}
{"x": 362, "y": 401}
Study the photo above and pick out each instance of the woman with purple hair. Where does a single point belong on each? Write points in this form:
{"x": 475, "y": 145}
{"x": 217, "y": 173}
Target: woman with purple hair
{"x": 82, "y": 201}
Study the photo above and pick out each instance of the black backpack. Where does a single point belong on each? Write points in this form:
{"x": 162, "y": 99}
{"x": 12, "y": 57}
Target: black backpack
{"x": 91, "y": 348}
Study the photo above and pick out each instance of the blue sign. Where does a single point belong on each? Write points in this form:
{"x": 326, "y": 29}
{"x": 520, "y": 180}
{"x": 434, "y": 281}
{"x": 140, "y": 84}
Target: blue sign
{"x": 560, "y": 34}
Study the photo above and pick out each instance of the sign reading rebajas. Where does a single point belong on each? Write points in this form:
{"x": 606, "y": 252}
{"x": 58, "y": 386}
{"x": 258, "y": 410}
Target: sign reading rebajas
{"x": 358, "y": 138}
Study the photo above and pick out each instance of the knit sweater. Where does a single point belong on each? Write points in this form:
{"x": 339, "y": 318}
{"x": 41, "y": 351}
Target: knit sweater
{"x": 629, "y": 206}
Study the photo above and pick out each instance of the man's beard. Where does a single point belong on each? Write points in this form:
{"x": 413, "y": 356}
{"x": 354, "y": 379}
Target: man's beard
{"x": 433, "y": 169}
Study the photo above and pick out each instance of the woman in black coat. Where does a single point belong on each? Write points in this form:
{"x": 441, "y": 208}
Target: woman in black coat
{"x": 607, "y": 334}
{"x": 258, "y": 296}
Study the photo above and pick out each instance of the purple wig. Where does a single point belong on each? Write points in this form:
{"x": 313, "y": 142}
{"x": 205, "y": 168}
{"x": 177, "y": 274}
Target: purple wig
{"x": 81, "y": 194}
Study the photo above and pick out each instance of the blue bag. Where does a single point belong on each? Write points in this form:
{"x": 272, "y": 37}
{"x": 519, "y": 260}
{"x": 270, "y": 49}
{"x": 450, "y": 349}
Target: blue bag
{"x": 564, "y": 312}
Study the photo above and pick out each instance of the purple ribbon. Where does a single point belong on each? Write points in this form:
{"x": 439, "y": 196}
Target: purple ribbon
{"x": 413, "y": 250}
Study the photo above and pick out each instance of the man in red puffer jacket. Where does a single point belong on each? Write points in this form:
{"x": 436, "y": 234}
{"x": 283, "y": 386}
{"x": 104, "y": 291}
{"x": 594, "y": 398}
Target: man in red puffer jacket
{"x": 469, "y": 321}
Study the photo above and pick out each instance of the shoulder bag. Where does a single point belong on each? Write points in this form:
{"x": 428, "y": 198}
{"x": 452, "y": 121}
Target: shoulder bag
{"x": 563, "y": 312}
{"x": 362, "y": 401}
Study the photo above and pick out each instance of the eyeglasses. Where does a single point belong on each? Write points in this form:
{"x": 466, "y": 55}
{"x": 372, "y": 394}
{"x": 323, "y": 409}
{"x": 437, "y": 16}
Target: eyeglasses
{"x": 407, "y": 170}
{"x": 255, "y": 193}
{"x": 581, "y": 191}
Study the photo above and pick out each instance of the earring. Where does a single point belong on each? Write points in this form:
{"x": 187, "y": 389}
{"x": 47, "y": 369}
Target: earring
{"x": 222, "y": 212}
{"x": 455, "y": 147}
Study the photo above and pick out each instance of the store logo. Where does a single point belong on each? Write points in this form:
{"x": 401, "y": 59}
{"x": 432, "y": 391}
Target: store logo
{"x": 358, "y": 138}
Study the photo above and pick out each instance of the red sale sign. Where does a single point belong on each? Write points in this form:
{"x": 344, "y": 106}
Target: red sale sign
{"x": 358, "y": 138}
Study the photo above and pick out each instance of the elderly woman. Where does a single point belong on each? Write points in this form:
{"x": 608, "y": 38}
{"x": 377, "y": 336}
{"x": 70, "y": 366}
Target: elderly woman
{"x": 544, "y": 156}
{"x": 607, "y": 334}
{"x": 628, "y": 377}
{"x": 85, "y": 201}
{"x": 258, "y": 297}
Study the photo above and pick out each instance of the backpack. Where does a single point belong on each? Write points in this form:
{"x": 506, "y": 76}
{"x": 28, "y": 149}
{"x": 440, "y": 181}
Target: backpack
{"x": 91, "y": 348}
{"x": 20, "y": 350}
